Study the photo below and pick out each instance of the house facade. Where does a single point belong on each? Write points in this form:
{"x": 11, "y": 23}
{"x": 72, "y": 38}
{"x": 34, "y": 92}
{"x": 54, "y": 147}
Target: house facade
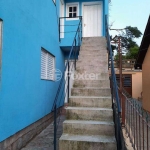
{"x": 28, "y": 37}
{"x": 93, "y": 19}
{"x": 132, "y": 82}
{"x": 35, "y": 39}
{"x": 132, "y": 78}
{"x": 143, "y": 62}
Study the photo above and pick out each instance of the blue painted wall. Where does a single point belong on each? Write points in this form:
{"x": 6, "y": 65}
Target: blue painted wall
{"x": 28, "y": 25}
{"x": 68, "y": 38}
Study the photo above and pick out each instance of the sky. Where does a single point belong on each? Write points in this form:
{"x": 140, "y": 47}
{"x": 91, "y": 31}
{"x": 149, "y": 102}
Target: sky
{"x": 133, "y": 13}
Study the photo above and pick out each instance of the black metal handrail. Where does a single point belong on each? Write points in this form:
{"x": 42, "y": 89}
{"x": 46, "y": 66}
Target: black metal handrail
{"x": 137, "y": 123}
{"x": 115, "y": 96}
{"x": 62, "y": 91}
{"x": 113, "y": 75}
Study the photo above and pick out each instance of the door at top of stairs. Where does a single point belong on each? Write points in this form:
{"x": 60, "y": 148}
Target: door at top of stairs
{"x": 92, "y": 19}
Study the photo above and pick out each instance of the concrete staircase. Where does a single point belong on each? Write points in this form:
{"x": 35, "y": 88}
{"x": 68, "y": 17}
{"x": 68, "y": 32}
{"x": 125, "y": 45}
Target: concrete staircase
{"x": 89, "y": 124}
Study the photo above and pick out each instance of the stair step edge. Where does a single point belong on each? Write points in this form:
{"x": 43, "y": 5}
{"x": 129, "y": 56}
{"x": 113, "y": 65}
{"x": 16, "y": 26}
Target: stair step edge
{"x": 90, "y": 97}
{"x": 88, "y": 138}
{"x": 87, "y": 108}
{"x": 89, "y": 122}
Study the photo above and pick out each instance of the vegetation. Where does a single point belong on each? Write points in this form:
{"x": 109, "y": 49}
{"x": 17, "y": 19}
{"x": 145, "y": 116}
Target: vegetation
{"x": 129, "y": 46}
{"x": 132, "y": 53}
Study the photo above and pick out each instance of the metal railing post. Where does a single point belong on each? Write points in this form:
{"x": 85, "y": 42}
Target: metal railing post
{"x": 59, "y": 29}
{"x": 81, "y": 28}
{"x": 68, "y": 86}
{"x": 123, "y": 110}
{"x": 108, "y": 58}
{"x": 55, "y": 127}
{"x": 75, "y": 53}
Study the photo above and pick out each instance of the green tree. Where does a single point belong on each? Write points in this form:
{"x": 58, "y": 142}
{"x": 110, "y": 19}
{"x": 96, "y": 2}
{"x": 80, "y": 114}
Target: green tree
{"x": 128, "y": 37}
{"x": 129, "y": 46}
{"x": 133, "y": 32}
{"x": 116, "y": 57}
{"x": 132, "y": 53}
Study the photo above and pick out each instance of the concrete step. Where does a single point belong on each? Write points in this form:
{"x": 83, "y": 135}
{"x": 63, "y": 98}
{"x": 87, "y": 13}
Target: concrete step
{"x": 89, "y": 113}
{"x": 79, "y": 127}
{"x": 82, "y": 101}
{"x": 90, "y": 70}
{"x": 84, "y": 142}
{"x": 93, "y": 53}
{"x": 99, "y": 63}
{"x": 92, "y": 62}
{"x": 94, "y": 40}
{"x": 83, "y": 75}
{"x": 92, "y": 58}
{"x": 96, "y": 44}
{"x": 92, "y": 83}
{"x": 94, "y": 47}
{"x": 90, "y": 92}
{"x": 97, "y": 56}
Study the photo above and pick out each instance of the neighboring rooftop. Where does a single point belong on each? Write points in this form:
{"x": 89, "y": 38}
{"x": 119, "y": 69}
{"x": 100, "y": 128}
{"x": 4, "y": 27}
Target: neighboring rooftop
{"x": 126, "y": 64}
{"x": 144, "y": 46}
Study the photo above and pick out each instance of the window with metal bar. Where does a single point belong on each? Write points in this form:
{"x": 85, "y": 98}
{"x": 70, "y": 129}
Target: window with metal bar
{"x": 127, "y": 81}
{"x": 72, "y": 11}
{"x": 47, "y": 65}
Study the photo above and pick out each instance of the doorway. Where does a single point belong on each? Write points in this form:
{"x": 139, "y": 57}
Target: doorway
{"x": 92, "y": 19}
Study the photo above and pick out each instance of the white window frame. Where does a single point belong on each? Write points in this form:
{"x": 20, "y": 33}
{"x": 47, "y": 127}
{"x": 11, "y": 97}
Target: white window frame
{"x": 47, "y": 65}
{"x": 1, "y": 32}
{"x": 67, "y": 10}
{"x": 62, "y": 21}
